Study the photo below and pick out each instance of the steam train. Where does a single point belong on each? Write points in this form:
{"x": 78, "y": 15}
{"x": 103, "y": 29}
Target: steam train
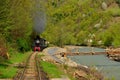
{"x": 39, "y": 44}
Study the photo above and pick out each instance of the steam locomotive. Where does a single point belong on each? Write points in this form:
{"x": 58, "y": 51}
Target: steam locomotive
{"x": 39, "y": 44}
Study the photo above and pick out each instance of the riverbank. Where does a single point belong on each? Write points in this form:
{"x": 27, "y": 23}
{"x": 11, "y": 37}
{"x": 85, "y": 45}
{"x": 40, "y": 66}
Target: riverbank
{"x": 113, "y": 54}
{"x": 80, "y": 71}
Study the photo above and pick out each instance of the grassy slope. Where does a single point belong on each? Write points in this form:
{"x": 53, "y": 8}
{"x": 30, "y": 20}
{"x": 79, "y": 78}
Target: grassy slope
{"x": 6, "y": 68}
{"x": 54, "y": 70}
{"x": 51, "y": 69}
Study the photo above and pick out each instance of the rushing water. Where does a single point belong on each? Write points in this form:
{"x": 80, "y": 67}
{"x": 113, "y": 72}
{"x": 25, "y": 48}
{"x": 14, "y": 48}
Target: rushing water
{"x": 110, "y": 69}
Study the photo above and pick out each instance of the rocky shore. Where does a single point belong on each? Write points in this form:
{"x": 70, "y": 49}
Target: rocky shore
{"x": 81, "y": 71}
{"x": 113, "y": 54}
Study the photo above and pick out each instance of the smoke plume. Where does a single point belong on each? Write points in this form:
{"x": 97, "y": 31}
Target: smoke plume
{"x": 39, "y": 18}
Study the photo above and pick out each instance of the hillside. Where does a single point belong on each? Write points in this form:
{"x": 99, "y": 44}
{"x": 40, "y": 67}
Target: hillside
{"x": 61, "y": 22}
{"x": 88, "y": 22}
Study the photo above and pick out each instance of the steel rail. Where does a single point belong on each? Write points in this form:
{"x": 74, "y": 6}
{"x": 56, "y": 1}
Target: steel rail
{"x": 38, "y": 67}
{"x": 22, "y": 76}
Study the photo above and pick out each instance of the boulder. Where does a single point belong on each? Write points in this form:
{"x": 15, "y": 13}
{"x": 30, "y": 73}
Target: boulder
{"x": 104, "y": 6}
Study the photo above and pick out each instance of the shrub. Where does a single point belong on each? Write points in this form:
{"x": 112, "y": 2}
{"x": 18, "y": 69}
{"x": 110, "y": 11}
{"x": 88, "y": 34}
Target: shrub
{"x": 108, "y": 41}
{"x": 23, "y": 45}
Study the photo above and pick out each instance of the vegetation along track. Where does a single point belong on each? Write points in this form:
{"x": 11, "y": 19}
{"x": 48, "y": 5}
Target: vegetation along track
{"x": 32, "y": 69}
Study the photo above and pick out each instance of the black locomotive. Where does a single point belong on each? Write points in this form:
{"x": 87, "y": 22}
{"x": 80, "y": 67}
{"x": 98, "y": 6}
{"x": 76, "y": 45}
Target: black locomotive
{"x": 39, "y": 44}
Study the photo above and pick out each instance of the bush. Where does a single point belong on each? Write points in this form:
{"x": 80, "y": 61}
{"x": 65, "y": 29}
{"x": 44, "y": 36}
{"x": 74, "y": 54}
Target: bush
{"x": 23, "y": 45}
{"x": 108, "y": 41}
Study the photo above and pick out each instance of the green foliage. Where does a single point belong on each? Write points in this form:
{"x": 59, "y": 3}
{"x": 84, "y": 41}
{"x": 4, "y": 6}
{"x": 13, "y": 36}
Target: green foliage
{"x": 21, "y": 20}
{"x": 8, "y": 71}
{"x": 16, "y": 22}
{"x": 114, "y": 11}
{"x": 68, "y": 21}
{"x": 115, "y": 34}
{"x": 51, "y": 69}
{"x": 23, "y": 45}
{"x": 71, "y": 22}
{"x": 18, "y": 57}
{"x": 108, "y": 41}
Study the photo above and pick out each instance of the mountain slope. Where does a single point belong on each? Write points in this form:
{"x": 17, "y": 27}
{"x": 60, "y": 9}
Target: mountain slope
{"x": 88, "y": 22}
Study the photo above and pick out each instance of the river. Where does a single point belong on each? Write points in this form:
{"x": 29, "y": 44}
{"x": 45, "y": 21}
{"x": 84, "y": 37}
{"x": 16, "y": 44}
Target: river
{"x": 108, "y": 68}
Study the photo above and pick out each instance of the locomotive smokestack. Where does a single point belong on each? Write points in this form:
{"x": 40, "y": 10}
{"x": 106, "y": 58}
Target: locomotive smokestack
{"x": 39, "y": 17}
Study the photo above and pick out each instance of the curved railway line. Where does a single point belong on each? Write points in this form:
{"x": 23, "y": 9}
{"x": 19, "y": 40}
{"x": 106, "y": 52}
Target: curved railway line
{"x": 32, "y": 70}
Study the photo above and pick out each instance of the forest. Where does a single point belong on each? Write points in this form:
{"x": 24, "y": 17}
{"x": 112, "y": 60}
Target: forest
{"x": 88, "y": 22}
{"x": 61, "y": 22}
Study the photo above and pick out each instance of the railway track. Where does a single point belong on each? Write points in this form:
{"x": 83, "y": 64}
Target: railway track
{"x": 31, "y": 70}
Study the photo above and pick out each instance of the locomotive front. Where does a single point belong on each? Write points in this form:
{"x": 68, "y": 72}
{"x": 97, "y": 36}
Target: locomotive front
{"x": 39, "y": 44}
